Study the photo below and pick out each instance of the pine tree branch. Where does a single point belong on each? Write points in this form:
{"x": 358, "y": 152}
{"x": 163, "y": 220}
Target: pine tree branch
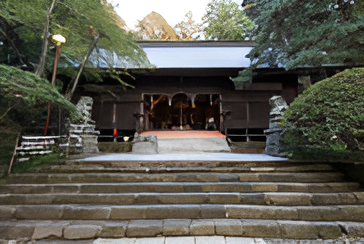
{"x": 74, "y": 83}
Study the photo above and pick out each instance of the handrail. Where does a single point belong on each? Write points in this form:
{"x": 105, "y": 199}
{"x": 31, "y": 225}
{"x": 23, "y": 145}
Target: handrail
{"x": 14, "y": 153}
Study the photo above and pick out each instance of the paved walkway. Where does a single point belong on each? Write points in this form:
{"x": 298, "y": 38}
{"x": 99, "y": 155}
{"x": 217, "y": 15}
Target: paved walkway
{"x": 186, "y": 156}
{"x": 183, "y": 134}
{"x": 207, "y": 240}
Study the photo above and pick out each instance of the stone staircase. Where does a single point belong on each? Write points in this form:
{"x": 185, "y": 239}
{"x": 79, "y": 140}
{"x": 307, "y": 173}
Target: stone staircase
{"x": 89, "y": 200}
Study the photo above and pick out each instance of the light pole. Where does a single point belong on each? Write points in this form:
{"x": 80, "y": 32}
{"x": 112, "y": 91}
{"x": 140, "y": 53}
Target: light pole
{"x": 59, "y": 40}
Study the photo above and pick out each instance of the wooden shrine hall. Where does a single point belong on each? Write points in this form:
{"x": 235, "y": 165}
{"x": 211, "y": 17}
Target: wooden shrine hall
{"x": 190, "y": 88}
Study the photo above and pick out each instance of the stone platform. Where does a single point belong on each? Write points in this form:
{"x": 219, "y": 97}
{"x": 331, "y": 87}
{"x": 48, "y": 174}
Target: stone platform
{"x": 189, "y": 141}
{"x": 186, "y": 157}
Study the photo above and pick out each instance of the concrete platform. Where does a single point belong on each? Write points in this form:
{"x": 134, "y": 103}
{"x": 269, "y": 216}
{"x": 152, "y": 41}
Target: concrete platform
{"x": 186, "y": 156}
{"x": 184, "y": 146}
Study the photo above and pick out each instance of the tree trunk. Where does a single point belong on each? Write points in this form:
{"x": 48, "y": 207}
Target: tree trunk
{"x": 74, "y": 82}
{"x": 43, "y": 55}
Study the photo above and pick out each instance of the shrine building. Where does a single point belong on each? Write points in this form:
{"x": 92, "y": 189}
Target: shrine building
{"x": 191, "y": 88}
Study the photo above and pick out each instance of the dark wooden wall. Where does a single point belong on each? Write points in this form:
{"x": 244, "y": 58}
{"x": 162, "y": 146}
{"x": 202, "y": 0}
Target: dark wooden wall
{"x": 244, "y": 110}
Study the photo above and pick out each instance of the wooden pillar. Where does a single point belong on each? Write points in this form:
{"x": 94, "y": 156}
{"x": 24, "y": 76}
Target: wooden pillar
{"x": 146, "y": 113}
{"x": 169, "y": 100}
{"x": 248, "y": 121}
{"x": 114, "y": 116}
{"x": 193, "y": 97}
{"x": 221, "y": 116}
{"x": 141, "y": 112}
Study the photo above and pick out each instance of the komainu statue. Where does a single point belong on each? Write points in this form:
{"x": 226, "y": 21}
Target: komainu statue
{"x": 84, "y": 106}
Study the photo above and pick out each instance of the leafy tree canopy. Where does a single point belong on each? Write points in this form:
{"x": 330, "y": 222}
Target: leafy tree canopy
{"x": 79, "y": 21}
{"x": 225, "y": 20}
{"x": 27, "y": 86}
{"x": 90, "y": 27}
{"x": 188, "y": 29}
{"x": 297, "y": 33}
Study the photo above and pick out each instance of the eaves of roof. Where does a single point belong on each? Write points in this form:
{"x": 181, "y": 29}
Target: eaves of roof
{"x": 196, "y": 44}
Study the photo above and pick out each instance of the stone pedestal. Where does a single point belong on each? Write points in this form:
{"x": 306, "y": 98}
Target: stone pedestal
{"x": 83, "y": 134}
{"x": 145, "y": 145}
{"x": 83, "y": 139}
{"x": 275, "y": 132}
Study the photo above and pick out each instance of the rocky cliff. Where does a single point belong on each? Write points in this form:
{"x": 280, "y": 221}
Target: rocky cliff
{"x": 155, "y": 27}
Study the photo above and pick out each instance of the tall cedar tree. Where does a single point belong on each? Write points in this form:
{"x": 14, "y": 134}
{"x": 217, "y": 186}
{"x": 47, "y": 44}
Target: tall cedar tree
{"x": 296, "y": 33}
{"x": 226, "y": 20}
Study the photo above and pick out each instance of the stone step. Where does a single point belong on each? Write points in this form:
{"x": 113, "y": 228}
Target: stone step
{"x": 277, "y": 199}
{"x": 211, "y": 144}
{"x": 182, "y": 211}
{"x": 177, "y": 177}
{"x": 86, "y": 168}
{"x": 178, "y": 187}
{"x": 191, "y": 164}
{"x": 55, "y": 231}
{"x": 201, "y": 240}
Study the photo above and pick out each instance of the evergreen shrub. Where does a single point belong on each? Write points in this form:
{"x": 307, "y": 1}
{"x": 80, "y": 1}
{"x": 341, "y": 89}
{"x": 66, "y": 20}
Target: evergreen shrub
{"x": 327, "y": 120}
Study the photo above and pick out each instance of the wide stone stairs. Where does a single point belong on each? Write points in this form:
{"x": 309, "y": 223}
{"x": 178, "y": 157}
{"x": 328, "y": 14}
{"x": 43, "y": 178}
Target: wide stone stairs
{"x": 89, "y": 200}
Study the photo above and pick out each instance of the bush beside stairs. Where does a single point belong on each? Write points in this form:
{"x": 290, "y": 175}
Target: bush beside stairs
{"x": 89, "y": 200}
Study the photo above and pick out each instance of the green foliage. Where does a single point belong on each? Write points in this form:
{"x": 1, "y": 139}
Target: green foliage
{"x": 188, "y": 29}
{"x": 81, "y": 20}
{"x": 78, "y": 20}
{"x": 26, "y": 86}
{"x": 39, "y": 161}
{"x": 114, "y": 74}
{"x": 328, "y": 116}
{"x": 22, "y": 31}
{"x": 226, "y": 21}
{"x": 22, "y": 25}
{"x": 18, "y": 115}
{"x": 296, "y": 33}
{"x": 7, "y": 139}
{"x": 245, "y": 76}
